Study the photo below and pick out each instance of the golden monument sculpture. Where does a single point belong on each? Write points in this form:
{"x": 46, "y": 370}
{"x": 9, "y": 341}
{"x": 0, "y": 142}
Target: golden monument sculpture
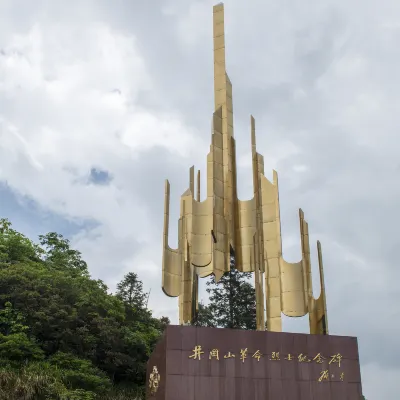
{"x": 211, "y": 230}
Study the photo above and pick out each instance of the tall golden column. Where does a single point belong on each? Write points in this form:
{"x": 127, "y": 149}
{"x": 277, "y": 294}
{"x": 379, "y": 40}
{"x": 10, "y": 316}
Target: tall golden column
{"x": 209, "y": 231}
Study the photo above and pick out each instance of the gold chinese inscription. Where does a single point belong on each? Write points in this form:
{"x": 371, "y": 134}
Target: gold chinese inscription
{"x": 243, "y": 354}
{"x": 303, "y": 358}
{"x": 324, "y": 376}
{"x": 275, "y": 356}
{"x": 337, "y": 358}
{"x": 197, "y": 352}
{"x": 154, "y": 381}
{"x": 214, "y": 354}
{"x": 318, "y": 358}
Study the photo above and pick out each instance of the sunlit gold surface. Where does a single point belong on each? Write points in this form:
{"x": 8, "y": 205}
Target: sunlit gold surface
{"x": 209, "y": 230}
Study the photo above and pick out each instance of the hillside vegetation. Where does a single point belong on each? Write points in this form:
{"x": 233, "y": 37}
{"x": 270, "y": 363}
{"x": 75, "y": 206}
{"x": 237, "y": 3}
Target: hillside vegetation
{"x": 62, "y": 334}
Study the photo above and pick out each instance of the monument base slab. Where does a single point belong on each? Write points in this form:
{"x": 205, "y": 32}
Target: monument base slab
{"x": 198, "y": 363}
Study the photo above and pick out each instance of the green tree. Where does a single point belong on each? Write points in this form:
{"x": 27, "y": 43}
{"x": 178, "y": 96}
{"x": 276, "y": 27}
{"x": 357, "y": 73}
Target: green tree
{"x": 11, "y": 321}
{"x": 15, "y": 345}
{"x": 59, "y": 254}
{"x": 56, "y": 321}
{"x": 19, "y": 348}
{"x": 164, "y": 322}
{"x": 130, "y": 290}
{"x": 79, "y": 373}
{"x": 204, "y": 316}
{"x": 15, "y": 247}
{"x": 232, "y": 301}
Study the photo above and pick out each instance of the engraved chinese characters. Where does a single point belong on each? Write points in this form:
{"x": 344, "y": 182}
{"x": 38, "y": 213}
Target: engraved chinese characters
{"x": 197, "y": 352}
{"x": 324, "y": 376}
{"x": 244, "y": 353}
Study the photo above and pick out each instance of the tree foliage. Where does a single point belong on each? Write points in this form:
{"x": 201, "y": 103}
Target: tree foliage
{"x": 59, "y": 255}
{"x": 232, "y": 302}
{"x": 205, "y": 317}
{"x": 62, "y": 334}
{"x": 130, "y": 290}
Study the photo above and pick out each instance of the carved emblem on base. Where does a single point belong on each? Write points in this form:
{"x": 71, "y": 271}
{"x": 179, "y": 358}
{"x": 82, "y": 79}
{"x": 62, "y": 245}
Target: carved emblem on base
{"x": 154, "y": 381}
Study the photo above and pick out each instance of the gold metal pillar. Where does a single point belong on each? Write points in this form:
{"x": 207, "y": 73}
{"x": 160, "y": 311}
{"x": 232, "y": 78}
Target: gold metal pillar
{"x": 209, "y": 229}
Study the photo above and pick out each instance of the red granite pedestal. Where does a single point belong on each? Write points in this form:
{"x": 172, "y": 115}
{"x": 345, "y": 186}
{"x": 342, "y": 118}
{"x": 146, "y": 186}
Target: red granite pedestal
{"x": 251, "y": 365}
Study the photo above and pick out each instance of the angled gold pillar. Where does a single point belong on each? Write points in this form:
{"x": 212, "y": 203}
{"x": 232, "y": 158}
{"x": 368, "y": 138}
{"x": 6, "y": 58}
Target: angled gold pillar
{"x": 210, "y": 230}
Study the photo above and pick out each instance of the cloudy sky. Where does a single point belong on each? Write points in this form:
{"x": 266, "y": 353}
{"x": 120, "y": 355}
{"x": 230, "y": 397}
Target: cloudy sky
{"x": 101, "y": 101}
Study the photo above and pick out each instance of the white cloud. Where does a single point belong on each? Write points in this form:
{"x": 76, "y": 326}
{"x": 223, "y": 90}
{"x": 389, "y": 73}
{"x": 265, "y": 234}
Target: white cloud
{"x": 69, "y": 101}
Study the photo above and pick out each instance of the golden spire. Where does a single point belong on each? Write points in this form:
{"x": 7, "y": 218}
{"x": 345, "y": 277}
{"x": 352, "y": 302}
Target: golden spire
{"x": 210, "y": 230}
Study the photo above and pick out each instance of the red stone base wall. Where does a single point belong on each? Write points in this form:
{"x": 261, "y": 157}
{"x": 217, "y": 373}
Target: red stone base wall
{"x": 196, "y": 363}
